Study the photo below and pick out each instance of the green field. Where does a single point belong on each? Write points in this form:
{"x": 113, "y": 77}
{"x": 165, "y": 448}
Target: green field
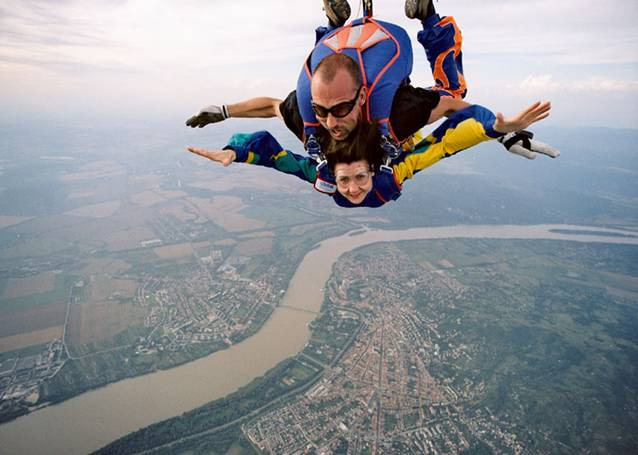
{"x": 276, "y": 216}
{"x": 59, "y": 294}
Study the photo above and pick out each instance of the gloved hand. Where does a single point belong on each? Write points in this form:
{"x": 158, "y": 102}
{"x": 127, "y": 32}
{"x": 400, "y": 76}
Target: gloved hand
{"x": 521, "y": 143}
{"x": 209, "y": 114}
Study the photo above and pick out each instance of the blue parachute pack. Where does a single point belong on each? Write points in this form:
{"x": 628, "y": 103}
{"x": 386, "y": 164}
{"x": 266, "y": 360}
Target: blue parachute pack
{"x": 384, "y": 54}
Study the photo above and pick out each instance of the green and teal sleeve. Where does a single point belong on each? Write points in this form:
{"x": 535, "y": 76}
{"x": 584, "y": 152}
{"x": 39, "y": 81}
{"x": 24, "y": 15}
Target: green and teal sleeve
{"x": 262, "y": 149}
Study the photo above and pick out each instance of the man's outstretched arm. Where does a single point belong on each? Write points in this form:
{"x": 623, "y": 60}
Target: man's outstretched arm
{"x": 446, "y": 107}
{"x": 262, "y": 107}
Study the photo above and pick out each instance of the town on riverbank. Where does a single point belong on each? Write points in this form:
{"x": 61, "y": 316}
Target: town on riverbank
{"x": 432, "y": 346}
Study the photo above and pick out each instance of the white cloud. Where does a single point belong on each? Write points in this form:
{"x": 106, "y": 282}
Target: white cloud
{"x": 544, "y": 83}
{"x": 570, "y": 32}
{"x": 605, "y": 85}
{"x": 70, "y": 52}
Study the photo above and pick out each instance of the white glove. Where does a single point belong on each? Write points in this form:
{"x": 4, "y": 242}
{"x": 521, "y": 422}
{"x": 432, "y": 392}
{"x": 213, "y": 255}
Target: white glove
{"x": 521, "y": 143}
{"x": 209, "y": 114}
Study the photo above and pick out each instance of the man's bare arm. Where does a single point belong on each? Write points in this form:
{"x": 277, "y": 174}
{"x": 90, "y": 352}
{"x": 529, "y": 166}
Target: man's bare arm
{"x": 532, "y": 114}
{"x": 262, "y": 107}
{"x": 446, "y": 107}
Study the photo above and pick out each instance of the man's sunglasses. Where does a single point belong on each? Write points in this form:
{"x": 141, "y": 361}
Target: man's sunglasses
{"x": 338, "y": 110}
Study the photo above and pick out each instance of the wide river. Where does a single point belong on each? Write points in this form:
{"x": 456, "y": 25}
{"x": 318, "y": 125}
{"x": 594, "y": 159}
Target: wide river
{"x": 93, "y": 419}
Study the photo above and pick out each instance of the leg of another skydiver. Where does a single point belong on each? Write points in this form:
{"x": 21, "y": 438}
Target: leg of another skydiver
{"x": 441, "y": 38}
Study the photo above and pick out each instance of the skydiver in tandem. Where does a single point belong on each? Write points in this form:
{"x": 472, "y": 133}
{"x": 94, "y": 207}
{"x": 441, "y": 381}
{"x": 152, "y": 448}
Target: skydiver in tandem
{"x": 359, "y": 117}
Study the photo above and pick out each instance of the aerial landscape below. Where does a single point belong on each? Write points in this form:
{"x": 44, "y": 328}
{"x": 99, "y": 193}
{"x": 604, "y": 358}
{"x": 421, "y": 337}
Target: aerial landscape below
{"x": 318, "y": 227}
{"x": 470, "y": 344}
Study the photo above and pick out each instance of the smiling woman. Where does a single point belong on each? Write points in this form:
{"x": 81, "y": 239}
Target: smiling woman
{"x": 354, "y": 180}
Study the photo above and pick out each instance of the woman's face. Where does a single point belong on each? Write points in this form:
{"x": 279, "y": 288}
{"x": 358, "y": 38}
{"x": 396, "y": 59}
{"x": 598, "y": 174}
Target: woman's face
{"x": 354, "y": 180}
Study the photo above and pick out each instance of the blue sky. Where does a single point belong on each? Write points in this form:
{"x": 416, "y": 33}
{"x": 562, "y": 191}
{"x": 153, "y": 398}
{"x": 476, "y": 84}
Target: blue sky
{"x": 108, "y": 59}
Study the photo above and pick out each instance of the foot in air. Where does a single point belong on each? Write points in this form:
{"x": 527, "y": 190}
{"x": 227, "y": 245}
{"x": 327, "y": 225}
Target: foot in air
{"x": 419, "y": 9}
{"x": 521, "y": 143}
{"x": 338, "y": 11}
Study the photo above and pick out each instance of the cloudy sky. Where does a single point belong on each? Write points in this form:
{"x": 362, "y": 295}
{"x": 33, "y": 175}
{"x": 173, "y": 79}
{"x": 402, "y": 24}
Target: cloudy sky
{"x": 167, "y": 58}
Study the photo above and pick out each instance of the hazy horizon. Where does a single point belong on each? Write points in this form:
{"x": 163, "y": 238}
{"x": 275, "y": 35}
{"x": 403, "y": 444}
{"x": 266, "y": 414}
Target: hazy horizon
{"x": 142, "y": 60}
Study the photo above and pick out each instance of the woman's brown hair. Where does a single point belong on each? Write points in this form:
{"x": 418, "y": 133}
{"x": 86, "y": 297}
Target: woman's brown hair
{"x": 363, "y": 144}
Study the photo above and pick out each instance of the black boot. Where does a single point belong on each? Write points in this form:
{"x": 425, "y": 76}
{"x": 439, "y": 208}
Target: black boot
{"x": 338, "y": 11}
{"x": 419, "y": 9}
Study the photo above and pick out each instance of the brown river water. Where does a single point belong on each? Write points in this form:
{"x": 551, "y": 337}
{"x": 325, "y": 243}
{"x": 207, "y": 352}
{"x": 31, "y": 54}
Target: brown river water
{"x": 93, "y": 419}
